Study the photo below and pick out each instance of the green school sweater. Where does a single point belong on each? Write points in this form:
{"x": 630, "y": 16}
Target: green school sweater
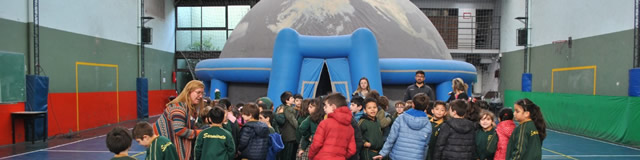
{"x": 215, "y": 143}
{"x": 300, "y": 119}
{"x": 435, "y": 128}
{"x": 525, "y": 142}
{"x": 124, "y": 158}
{"x": 486, "y": 144}
{"x": 306, "y": 130}
{"x": 233, "y": 128}
{"x": 372, "y": 133}
{"x": 160, "y": 149}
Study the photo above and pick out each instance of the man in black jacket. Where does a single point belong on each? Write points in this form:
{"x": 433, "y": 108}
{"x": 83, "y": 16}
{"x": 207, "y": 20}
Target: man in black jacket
{"x": 418, "y": 87}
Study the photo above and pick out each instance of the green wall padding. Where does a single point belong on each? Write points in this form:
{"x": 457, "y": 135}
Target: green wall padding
{"x": 610, "y": 118}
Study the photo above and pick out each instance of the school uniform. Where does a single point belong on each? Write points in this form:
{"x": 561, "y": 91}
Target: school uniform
{"x": 525, "y": 142}
{"x": 486, "y": 143}
{"x": 306, "y": 131}
{"x": 161, "y": 148}
{"x": 372, "y": 133}
{"x": 435, "y": 125}
{"x": 215, "y": 143}
{"x": 233, "y": 128}
{"x": 288, "y": 131}
{"x": 300, "y": 119}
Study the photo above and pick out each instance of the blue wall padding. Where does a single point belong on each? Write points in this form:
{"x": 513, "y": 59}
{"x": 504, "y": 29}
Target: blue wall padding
{"x": 360, "y": 48}
{"x": 634, "y": 82}
{"x": 442, "y": 91}
{"x": 142, "y": 93}
{"x": 37, "y": 95}
{"x": 526, "y": 82}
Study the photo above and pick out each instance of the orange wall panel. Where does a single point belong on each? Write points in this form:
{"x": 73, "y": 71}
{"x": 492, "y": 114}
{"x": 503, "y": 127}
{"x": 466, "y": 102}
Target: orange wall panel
{"x": 95, "y": 109}
{"x": 158, "y": 99}
{"x": 5, "y": 123}
{"x": 62, "y": 113}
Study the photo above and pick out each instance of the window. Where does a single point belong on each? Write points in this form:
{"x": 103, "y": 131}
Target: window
{"x": 446, "y": 22}
{"x": 206, "y": 28}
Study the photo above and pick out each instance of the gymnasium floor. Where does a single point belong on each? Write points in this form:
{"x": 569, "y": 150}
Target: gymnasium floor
{"x": 558, "y": 145}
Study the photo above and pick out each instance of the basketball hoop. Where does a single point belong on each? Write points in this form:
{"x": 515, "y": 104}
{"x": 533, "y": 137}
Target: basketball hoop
{"x": 559, "y": 44}
{"x": 559, "y": 41}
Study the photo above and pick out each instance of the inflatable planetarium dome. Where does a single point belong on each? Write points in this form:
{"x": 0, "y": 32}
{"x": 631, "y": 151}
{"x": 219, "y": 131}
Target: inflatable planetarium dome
{"x": 315, "y": 47}
{"x": 401, "y": 29}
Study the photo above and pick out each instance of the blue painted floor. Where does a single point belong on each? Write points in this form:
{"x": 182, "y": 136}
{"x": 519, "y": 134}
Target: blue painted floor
{"x": 91, "y": 148}
{"x": 557, "y": 146}
{"x": 567, "y": 146}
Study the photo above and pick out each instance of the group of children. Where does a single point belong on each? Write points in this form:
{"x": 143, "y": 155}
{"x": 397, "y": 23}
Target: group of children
{"x": 328, "y": 128}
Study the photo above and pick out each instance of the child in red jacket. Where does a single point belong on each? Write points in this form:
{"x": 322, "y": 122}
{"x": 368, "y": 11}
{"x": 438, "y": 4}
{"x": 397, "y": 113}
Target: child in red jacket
{"x": 332, "y": 133}
{"x": 504, "y": 130}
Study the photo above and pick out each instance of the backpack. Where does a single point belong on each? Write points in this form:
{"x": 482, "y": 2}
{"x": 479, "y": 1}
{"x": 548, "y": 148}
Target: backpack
{"x": 275, "y": 146}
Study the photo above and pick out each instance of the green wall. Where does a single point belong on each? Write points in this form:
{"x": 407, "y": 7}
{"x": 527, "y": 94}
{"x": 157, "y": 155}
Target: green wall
{"x": 609, "y": 115}
{"x": 60, "y": 50}
{"x": 611, "y": 53}
{"x": 13, "y": 36}
{"x": 610, "y": 118}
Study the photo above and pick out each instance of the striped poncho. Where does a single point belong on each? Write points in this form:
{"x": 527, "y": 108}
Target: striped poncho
{"x": 175, "y": 124}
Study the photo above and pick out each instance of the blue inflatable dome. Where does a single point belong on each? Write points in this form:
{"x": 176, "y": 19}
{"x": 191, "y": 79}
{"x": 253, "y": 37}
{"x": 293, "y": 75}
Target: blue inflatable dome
{"x": 298, "y": 61}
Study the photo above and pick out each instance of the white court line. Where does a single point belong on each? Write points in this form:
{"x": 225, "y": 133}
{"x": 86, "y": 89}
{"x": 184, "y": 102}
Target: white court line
{"x": 52, "y": 147}
{"x": 595, "y": 140}
{"x": 81, "y": 151}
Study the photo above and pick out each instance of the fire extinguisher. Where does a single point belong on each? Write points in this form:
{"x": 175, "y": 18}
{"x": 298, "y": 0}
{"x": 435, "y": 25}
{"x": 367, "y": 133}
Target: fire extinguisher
{"x": 173, "y": 77}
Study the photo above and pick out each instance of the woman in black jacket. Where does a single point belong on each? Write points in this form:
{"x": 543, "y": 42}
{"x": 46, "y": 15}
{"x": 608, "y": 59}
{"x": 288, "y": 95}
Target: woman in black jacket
{"x": 459, "y": 90}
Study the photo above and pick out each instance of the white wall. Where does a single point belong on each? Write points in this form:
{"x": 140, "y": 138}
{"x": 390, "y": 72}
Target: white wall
{"x": 163, "y": 27}
{"x": 14, "y": 10}
{"x": 116, "y": 20}
{"x": 113, "y": 20}
{"x": 552, "y": 20}
{"x": 508, "y": 25}
{"x": 489, "y": 80}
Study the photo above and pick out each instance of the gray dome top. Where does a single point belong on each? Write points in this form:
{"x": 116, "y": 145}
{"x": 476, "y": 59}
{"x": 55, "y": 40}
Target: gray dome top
{"x": 401, "y": 29}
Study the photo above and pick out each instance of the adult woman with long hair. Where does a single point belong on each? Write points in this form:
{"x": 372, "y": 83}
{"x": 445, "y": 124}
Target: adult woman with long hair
{"x": 459, "y": 90}
{"x": 363, "y": 87}
{"x": 177, "y": 120}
